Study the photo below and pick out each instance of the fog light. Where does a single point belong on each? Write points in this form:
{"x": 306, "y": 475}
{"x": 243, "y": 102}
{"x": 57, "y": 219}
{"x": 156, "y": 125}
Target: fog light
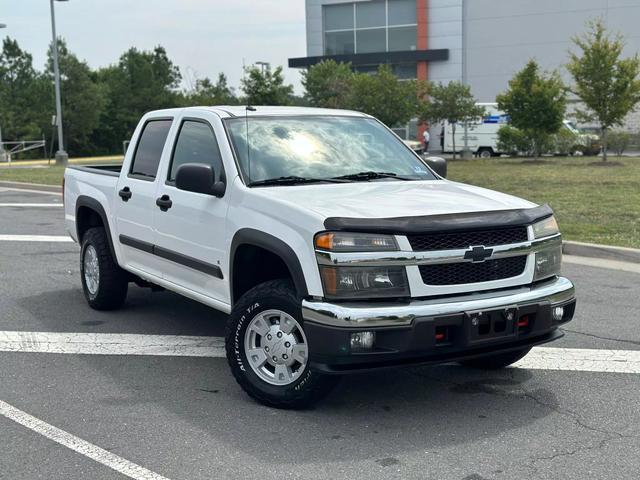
{"x": 362, "y": 340}
{"x": 558, "y": 313}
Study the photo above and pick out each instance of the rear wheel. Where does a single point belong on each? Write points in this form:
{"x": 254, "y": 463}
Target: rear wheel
{"x": 495, "y": 362}
{"x": 267, "y": 348}
{"x": 104, "y": 283}
{"x": 485, "y": 152}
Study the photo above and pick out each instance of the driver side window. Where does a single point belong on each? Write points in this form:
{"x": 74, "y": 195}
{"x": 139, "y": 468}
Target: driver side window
{"x": 196, "y": 143}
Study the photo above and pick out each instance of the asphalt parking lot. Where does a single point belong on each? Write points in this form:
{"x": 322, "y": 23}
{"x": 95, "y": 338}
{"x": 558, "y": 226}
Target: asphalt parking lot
{"x": 69, "y": 415}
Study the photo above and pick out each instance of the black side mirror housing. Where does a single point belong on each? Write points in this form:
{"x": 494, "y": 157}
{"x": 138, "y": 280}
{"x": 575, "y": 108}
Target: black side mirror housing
{"x": 437, "y": 164}
{"x": 199, "y": 178}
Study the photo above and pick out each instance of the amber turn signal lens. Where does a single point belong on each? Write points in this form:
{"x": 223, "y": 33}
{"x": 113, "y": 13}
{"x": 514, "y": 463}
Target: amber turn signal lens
{"x": 325, "y": 241}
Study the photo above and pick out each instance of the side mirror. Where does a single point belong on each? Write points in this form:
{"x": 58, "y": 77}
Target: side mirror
{"x": 437, "y": 164}
{"x": 199, "y": 178}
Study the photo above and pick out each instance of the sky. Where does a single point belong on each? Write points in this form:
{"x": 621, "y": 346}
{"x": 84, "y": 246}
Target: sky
{"x": 202, "y": 37}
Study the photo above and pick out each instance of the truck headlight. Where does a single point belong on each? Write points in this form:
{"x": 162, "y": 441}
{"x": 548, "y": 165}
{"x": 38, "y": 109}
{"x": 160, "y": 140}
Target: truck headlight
{"x": 545, "y": 227}
{"x": 355, "y": 242}
{"x": 364, "y": 282}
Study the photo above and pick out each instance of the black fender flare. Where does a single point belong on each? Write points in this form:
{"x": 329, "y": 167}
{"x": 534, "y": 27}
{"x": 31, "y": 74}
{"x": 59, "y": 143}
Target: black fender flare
{"x": 96, "y": 206}
{"x": 250, "y": 236}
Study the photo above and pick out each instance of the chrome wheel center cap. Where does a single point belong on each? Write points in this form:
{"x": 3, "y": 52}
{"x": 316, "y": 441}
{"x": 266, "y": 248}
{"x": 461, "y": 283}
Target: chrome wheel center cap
{"x": 278, "y": 346}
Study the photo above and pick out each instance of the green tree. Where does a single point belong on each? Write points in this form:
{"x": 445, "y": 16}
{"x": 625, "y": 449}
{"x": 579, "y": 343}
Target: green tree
{"x": 83, "y": 99}
{"x": 384, "y": 96}
{"x": 328, "y": 84}
{"x": 25, "y": 95}
{"x": 536, "y": 104}
{"x": 452, "y": 102}
{"x": 141, "y": 81}
{"x": 607, "y": 84}
{"x": 266, "y": 87}
{"x": 205, "y": 92}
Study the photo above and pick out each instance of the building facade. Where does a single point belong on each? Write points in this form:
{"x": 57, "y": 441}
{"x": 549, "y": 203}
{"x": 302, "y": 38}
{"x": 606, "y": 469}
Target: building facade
{"x": 480, "y": 42}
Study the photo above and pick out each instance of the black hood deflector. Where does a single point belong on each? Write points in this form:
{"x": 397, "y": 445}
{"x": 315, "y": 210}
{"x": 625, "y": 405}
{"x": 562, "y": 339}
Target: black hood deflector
{"x": 450, "y": 222}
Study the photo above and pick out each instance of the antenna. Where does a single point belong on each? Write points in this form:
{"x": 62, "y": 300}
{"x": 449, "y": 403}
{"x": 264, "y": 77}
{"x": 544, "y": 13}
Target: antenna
{"x": 248, "y": 109}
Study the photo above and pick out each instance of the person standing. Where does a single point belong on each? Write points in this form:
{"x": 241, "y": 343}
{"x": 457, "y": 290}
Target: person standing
{"x": 426, "y": 137}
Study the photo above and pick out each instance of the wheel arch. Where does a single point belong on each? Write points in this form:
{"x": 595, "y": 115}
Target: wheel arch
{"x": 91, "y": 213}
{"x": 248, "y": 238}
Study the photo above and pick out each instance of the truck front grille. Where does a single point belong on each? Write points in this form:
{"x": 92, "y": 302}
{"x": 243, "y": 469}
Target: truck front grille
{"x": 449, "y": 241}
{"x": 461, "y": 273}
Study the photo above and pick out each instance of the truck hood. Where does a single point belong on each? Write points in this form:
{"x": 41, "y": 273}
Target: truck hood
{"x": 389, "y": 199}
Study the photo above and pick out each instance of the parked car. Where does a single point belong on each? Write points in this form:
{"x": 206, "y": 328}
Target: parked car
{"x": 330, "y": 244}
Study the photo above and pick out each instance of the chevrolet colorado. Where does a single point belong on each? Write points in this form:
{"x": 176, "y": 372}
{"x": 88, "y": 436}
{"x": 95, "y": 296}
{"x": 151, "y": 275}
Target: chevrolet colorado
{"x": 332, "y": 246}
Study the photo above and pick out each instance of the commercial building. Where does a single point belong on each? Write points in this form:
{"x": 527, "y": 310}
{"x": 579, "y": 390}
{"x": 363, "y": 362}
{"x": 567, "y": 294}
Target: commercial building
{"x": 481, "y": 42}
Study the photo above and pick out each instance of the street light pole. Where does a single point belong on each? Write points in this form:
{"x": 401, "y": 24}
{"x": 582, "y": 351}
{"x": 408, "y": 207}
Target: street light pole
{"x": 61, "y": 156}
{"x": 263, "y": 65}
{"x": 2, "y": 154}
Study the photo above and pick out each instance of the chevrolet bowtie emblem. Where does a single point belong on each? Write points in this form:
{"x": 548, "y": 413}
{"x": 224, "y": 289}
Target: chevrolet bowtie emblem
{"x": 478, "y": 254}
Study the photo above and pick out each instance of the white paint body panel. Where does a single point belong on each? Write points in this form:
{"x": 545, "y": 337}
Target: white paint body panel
{"x": 203, "y": 227}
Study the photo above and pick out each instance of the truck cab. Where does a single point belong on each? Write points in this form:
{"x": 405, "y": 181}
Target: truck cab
{"x": 332, "y": 246}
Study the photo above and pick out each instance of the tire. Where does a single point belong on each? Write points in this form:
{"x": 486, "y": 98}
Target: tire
{"x": 254, "y": 322}
{"x": 110, "y": 290}
{"x": 485, "y": 153}
{"x": 495, "y": 362}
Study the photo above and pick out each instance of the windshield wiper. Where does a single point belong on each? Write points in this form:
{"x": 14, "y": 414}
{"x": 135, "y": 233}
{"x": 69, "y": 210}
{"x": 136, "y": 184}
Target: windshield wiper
{"x": 366, "y": 176}
{"x": 292, "y": 180}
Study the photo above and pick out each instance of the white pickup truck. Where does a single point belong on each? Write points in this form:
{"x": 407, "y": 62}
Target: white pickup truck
{"x": 330, "y": 244}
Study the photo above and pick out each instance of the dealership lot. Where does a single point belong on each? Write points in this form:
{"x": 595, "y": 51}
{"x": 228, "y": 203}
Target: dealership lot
{"x": 145, "y": 390}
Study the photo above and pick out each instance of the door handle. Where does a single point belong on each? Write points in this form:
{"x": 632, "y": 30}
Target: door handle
{"x": 164, "y": 202}
{"x": 125, "y": 194}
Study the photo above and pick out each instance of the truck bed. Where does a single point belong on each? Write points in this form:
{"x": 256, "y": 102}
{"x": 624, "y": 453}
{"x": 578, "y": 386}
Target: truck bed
{"x": 110, "y": 169}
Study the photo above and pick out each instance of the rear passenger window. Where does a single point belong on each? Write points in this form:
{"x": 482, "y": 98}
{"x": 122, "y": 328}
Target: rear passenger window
{"x": 149, "y": 149}
{"x": 196, "y": 143}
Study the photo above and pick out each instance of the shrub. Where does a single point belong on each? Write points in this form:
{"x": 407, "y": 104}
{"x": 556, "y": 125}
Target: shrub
{"x": 513, "y": 141}
{"x": 564, "y": 142}
{"x": 619, "y": 141}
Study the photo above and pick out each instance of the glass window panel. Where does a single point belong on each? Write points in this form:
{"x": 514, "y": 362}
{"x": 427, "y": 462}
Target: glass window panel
{"x": 405, "y": 71}
{"x": 370, "y": 41}
{"x": 402, "y": 12}
{"x": 196, "y": 144}
{"x": 338, "y": 43}
{"x": 403, "y": 38}
{"x": 371, "y": 14}
{"x": 338, "y": 17}
{"x": 149, "y": 149}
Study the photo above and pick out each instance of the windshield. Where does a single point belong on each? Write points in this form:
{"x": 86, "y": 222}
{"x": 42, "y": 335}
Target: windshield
{"x": 571, "y": 127}
{"x": 320, "y": 147}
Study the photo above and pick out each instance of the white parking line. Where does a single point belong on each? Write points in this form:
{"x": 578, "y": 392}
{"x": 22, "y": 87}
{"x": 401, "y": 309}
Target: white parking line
{"x": 35, "y": 238}
{"x": 27, "y": 190}
{"x": 540, "y": 358}
{"x": 111, "y": 344}
{"x": 30, "y": 205}
{"x": 602, "y": 263}
{"x": 582, "y": 360}
{"x": 78, "y": 445}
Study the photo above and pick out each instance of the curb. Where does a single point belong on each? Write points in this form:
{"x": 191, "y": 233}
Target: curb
{"x": 32, "y": 186}
{"x": 621, "y": 254}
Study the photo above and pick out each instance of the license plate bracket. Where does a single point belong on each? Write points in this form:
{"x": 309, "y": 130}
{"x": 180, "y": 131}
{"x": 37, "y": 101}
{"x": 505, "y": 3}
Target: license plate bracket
{"x": 487, "y": 325}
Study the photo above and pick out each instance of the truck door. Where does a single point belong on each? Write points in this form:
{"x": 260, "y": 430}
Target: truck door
{"x": 190, "y": 227}
{"x": 136, "y": 197}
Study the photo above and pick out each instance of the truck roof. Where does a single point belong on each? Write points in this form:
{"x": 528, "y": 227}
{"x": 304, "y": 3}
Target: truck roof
{"x": 226, "y": 111}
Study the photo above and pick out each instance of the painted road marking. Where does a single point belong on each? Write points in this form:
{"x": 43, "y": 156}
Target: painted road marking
{"x": 602, "y": 263}
{"x": 34, "y": 205}
{"x": 540, "y": 358}
{"x": 582, "y": 360}
{"x": 11, "y": 189}
{"x": 35, "y": 238}
{"x": 78, "y": 445}
{"x": 112, "y": 344}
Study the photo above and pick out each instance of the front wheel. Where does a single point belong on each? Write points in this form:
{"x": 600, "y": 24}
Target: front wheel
{"x": 267, "y": 348}
{"x": 497, "y": 361}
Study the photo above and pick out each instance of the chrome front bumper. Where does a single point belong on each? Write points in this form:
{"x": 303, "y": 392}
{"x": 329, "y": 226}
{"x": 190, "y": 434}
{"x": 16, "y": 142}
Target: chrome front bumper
{"x": 557, "y": 291}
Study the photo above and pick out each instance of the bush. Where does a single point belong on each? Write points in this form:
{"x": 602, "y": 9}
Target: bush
{"x": 513, "y": 141}
{"x": 564, "y": 142}
{"x": 618, "y": 141}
